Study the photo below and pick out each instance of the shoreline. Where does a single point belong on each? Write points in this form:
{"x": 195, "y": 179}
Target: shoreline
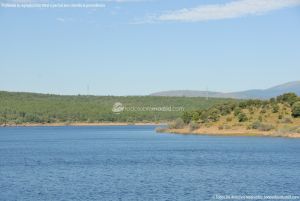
{"x": 211, "y": 131}
{"x": 82, "y": 124}
{"x": 232, "y": 133}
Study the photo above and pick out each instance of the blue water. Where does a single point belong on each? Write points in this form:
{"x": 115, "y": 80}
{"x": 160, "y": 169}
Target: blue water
{"x": 135, "y": 163}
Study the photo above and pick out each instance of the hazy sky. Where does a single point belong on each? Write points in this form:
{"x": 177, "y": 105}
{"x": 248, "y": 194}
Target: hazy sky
{"x": 137, "y": 47}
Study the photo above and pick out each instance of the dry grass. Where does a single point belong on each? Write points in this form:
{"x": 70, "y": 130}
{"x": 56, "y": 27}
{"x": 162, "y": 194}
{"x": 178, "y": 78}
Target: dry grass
{"x": 279, "y": 124}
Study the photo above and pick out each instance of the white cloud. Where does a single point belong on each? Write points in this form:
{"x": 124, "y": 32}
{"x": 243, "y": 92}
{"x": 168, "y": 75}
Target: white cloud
{"x": 233, "y": 9}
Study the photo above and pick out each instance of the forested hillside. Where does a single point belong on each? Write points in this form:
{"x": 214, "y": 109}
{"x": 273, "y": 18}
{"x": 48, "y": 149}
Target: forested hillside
{"x": 20, "y": 108}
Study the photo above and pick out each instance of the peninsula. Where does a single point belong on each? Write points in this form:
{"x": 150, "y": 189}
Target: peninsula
{"x": 277, "y": 117}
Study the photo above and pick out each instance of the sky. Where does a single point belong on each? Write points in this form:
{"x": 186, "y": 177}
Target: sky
{"x": 137, "y": 47}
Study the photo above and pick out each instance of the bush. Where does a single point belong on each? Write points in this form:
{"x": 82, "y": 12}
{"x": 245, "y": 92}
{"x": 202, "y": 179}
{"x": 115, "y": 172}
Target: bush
{"x": 290, "y": 129}
{"x": 255, "y": 125}
{"x": 221, "y": 127}
{"x": 195, "y": 116}
{"x": 193, "y": 126}
{"x": 261, "y": 126}
{"x": 187, "y": 117}
{"x": 224, "y": 126}
{"x": 275, "y": 108}
{"x": 296, "y": 110}
{"x": 242, "y": 117}
{"x": 2, "y": 120}
{"x": 237, "y": 111}
{"x": 161, "y": 129}
{"x": 226, "y": 109}
{"x": 251, "y": 110}
{"x": 263, "y": 111}
{"x": 287, "y": 120}
{"x": 214, "y": 115}
{"x": 177, "y": 124}
{"x": 266, "y": 127}
{"x": 289, "y": 98}
{"x": 229, "y": 119}
{"x": 204, "y": 116}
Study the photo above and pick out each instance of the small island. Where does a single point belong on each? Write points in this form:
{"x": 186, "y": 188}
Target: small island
{"x": 277, "y": 117}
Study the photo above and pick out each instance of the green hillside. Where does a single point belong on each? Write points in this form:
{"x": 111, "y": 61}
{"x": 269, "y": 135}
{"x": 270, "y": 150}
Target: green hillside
{"x": 278, "y": 116}
{"x": 20, "y": 108}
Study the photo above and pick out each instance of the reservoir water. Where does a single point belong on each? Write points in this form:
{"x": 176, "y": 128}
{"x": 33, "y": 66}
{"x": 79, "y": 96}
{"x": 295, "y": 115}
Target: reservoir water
{"x": 136, "y": 163}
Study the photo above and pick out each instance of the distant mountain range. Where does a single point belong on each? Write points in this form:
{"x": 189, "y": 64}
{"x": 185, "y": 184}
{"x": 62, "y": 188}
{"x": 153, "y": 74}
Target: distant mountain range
{"x": 249, "y": 94}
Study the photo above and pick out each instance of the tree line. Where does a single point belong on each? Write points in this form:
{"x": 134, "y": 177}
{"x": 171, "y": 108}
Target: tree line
{"x": 20, "y": 108}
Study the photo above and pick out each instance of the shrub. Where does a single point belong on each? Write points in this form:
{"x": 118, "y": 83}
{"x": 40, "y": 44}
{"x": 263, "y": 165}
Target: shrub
{"x": 243, "y": 104}
{"x": 187, "y": 117}
{"x": 2, "y": 120}
{"x": 296, "y": 110}
{"x": 226, "y": 126}
{"x": 193, "y": 126}
{"x": 161, "y": 129}
{"x": 255, "y": 125}
{"x": 214, "y": 115}
{"x": 263, "y": 111}
{"x": 291, "y": 129}
{"x": 18, "y": 121}
{"x": 177, "y": 124}
{"x": 204, "y": 116}
{"x": 261, "y": 126}
{"x": 229, "y": 119}
{"x": 289, "y": 98}
{"x": 237, "y": 111}
{"x": 287, "y": 120}
{"x": 195, "y": 116}
{"x": 275, "y": 108}
{"x": 242, "y": 117}
{"x": 226, "y": 109}
{"x": 221, "y": 127}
